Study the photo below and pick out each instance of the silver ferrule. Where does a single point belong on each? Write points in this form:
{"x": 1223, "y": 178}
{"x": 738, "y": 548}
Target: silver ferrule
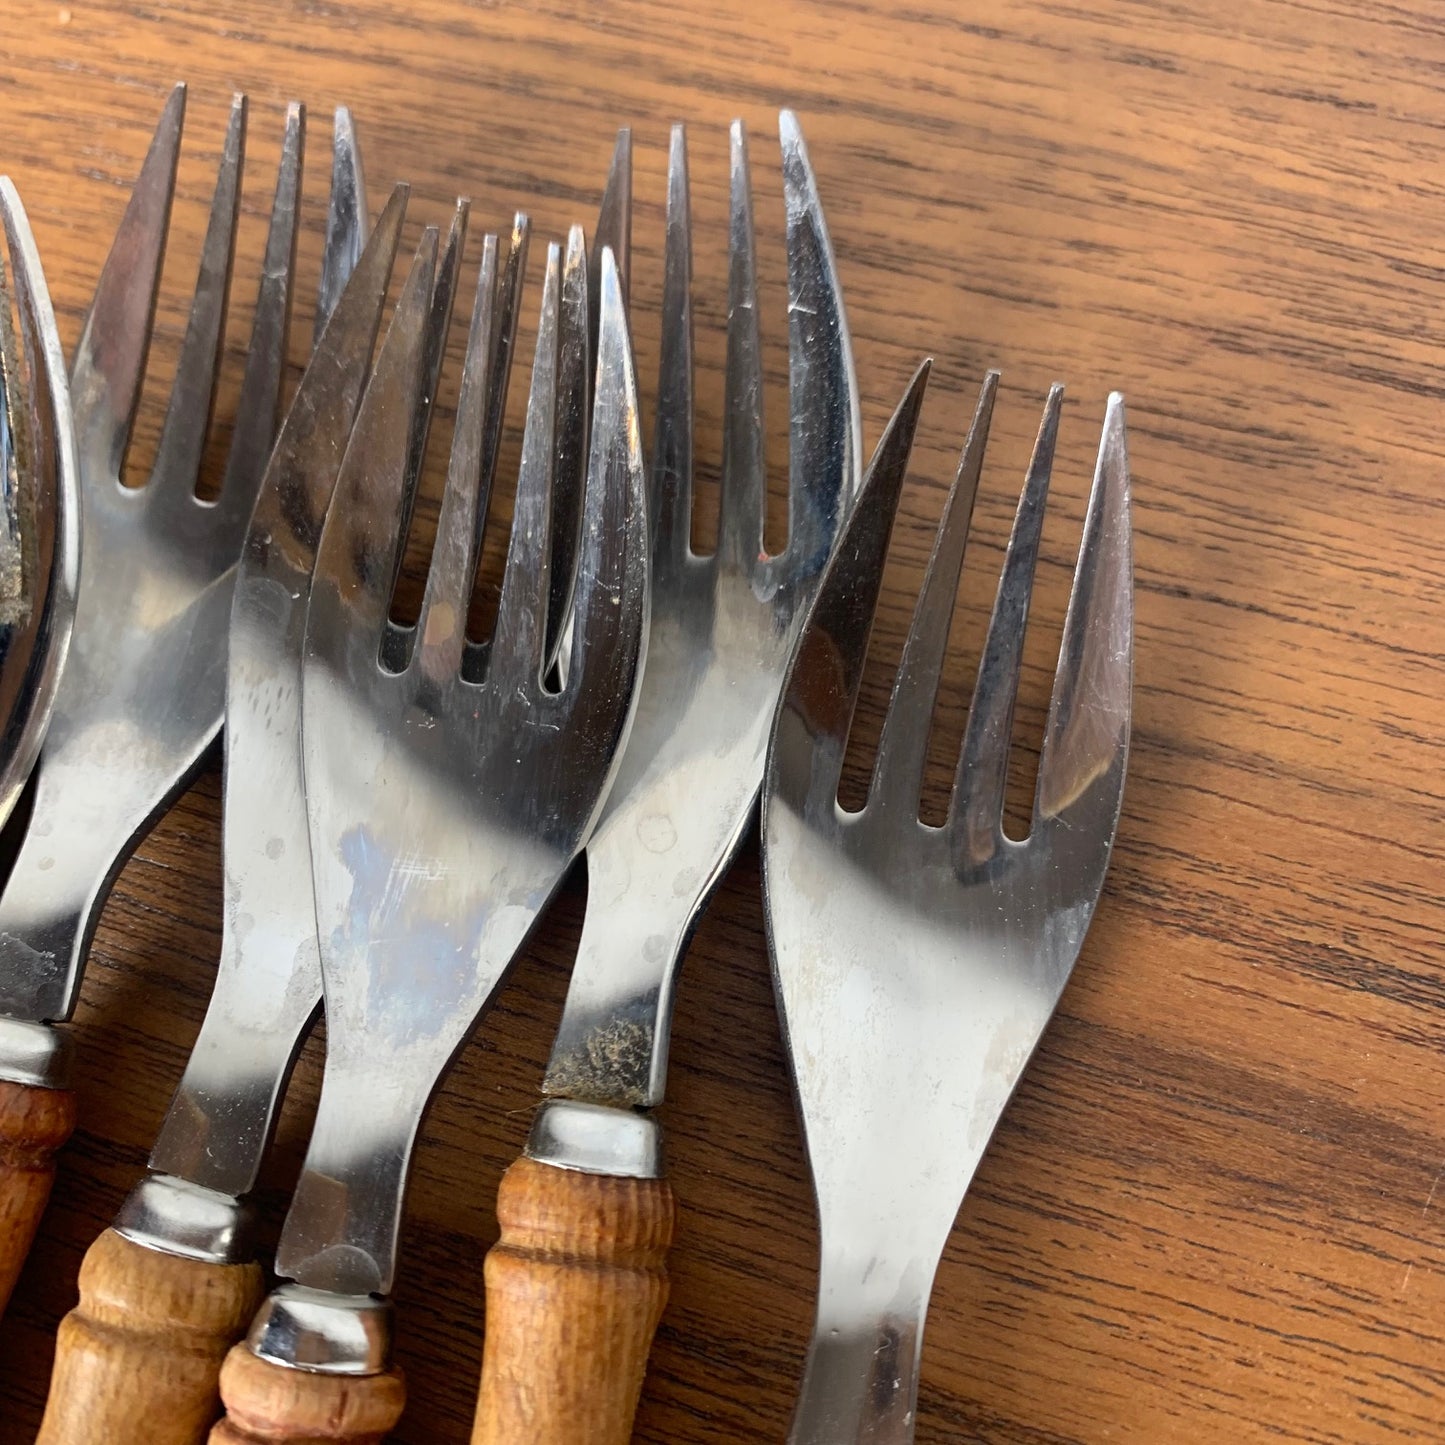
{"x": 177, "y": 1217}
{"x": 34, "y": 1054}
{"x": 327, "y": 1334}
{"x": 596, "y": 1140}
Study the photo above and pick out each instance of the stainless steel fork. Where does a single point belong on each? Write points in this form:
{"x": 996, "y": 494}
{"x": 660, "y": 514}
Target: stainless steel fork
{"x": 721, "y": 631}
{"x": 169, "y": 1288}
{"x": 443, "y": 814}
{"x": 917, "y": 966}
{"x": 142, "y": 693}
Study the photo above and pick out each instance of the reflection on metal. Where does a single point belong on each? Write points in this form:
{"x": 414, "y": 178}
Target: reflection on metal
{"x": 268, "y": 983}
{"x": 444, "y": 811}
{"x": 722, "y": 627}
{"x": 142, "y": 693}
{"x": 916, "y": 967}
{"x": 39, "y": 505}
{"x": 310, "y": 1329}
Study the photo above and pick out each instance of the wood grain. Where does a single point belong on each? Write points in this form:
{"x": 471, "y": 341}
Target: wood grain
{"x": 34, "y": 1123}
{"x": 1211, "y": 1212}
{"x": 268, "y": 1404}
{"x": 576, "y": 1283}
{"x": 137, "y": 1361}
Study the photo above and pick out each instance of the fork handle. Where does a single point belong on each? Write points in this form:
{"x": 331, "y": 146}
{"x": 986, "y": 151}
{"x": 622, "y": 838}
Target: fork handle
{"x": 575, "y": 1287}
{"x": 270, "y": 1404}
{"x": 34, "y": 1123}
{"x": 137, "y": 1360}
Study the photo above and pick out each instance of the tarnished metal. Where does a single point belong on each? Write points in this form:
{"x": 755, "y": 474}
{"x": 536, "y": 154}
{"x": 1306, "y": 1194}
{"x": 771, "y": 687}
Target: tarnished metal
{"x": 721, "y": 631}
{"x": 917, "y": 966}
{"x": 268, "y": 983}
{"x": 444, "y": 812}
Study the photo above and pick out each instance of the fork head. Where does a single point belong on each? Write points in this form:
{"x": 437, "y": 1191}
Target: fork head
{"x": 142, "y": 694}
{"x": 110, "y": 362}
{"x": 823, "y": 472}
{"x": 917, "y": 966}
{"x": 444, "y": 810}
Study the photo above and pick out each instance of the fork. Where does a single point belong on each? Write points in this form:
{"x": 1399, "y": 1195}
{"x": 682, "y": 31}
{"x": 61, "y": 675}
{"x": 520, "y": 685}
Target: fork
{"x": 916, "y": 967}
{"x": 171, "y": 1285}
{"x": 443, "y": 814}
{"x": 142, "y": 693}
{"x": 578, "y": 1276}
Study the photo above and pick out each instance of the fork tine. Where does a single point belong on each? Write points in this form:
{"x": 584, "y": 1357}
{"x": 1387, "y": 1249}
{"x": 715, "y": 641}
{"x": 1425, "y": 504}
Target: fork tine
{"x": 1087, "y": 730}
{"x": 442, "y": 626}
{"x": 612, "y": 603}
{"x": 570, "y": 474}
{"x": 110, "y": 359}
{"x": 903, "y": 747}
{"x": 976, "y": 809}
{"x": 504, "y": 342}
{"x": 580, "y": 319}
{"x": 504, "y": 346}
{"x": 188, "y": 413}
{"x": 302, "y": 471}
{"x": 346, "y": 219}
{"x": 614, "y": 231}
{"x": 362, "y": 536}
{"x": 815, "y": 715}
{"x": 439, "y": 321}
{"x": 825, "y": 432}
{"x": 259, "y": 407}
{"x": 744, "y": 465}
{"x": 397, "y": 642}
{"x": 519, "y": 637}
{"x": 672, "y": 455}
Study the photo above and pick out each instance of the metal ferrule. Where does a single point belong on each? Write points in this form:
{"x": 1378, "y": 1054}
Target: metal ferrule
{"x": 596, "y": 1140}
{"x": 177, "y": 1217}
{"x": 327, "y": 1334}
{"x": 35, "y": 1054}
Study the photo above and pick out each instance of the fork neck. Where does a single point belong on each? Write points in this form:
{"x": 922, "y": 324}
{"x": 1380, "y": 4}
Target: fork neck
{"x": 612, "y": 1041}
{"x": 860, "y": 1384}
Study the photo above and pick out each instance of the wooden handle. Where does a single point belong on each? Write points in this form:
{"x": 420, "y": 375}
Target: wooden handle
{"x": 34, "y": 1123}
{"x": 575, "y": 1287}
{"x": 269, "y": 1404}
{"x": 137, "y": 1360}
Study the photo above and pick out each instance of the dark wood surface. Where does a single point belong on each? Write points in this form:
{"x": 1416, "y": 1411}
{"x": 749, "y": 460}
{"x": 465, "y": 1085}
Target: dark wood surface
{"x": 1211, "y": 1213}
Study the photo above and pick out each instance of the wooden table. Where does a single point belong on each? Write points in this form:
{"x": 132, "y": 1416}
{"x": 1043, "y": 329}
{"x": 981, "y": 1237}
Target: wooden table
{"x": 1211, "y": 1213}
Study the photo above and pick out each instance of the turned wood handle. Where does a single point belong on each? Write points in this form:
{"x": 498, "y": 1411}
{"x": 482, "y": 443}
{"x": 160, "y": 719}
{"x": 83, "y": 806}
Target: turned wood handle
{"x": 137, "y": 1360}
{"x": 34, "y": 1123}
{"x": 269, "y": 1404}
{"x": 575, "y": 1287}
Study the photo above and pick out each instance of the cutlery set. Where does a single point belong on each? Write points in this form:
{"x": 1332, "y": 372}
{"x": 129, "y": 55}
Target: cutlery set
{"x": 401, "y": 802}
